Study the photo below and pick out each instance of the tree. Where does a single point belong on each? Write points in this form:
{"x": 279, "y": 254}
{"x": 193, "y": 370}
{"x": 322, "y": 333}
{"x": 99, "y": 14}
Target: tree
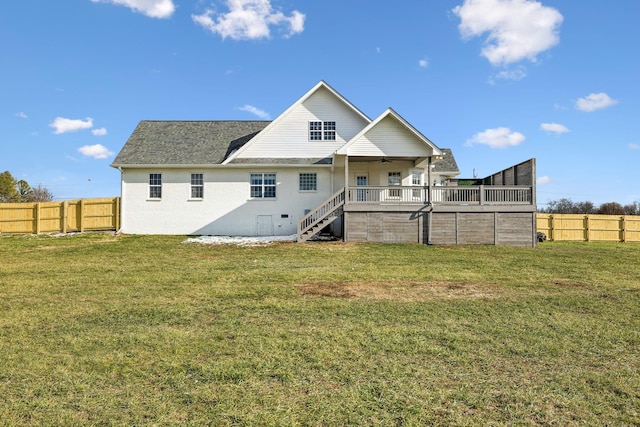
{"x": 24, "y": 190}
{"x": 40, "y": 194}
{"x": 611, "y": 208}
{"x": 13, "y": 191}
{"x": 8, "y": 188}
{"x": 632, "y": 208}
{"x": 585, "y": 208}
{"x": 562, "y": 206}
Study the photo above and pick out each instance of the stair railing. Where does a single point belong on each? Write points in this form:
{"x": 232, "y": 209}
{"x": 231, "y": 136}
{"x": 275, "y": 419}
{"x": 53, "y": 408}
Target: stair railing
{"x": 321, "y": 212}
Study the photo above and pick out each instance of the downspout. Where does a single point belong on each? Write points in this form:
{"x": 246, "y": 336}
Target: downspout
{"x": 121, "y": 199}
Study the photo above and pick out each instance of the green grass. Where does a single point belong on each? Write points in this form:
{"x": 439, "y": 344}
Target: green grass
{"x": 147, "y": 330}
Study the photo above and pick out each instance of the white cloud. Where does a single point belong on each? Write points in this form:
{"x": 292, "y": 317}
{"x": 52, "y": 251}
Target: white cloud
{"x": 543, "y": 180}
{"x": 62, "y": 125}
{"x": 595, "y": 101}
{"x": 256, "y": 111}
{"x": 518, "y": 73}
{"x": 497, "y": 138}
{"x": 21, "y": 115}
{"x": 554, "y": 128}
{"x": 150, "y": 8}
{"x": 249, "y": 19}
{"x": 423, "y": 63}
{"x": 633, "y": 146}
{"x": 518, "y": 29}
{"x": 99, "y": 132}
{"x": 97, "y": 151}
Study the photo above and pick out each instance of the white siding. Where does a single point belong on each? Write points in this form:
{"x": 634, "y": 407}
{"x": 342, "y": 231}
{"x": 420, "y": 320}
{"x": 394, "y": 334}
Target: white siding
{"x": 289, "y": 136}
{"x": 389, "y": 138}
{"x": 226, "y": 208}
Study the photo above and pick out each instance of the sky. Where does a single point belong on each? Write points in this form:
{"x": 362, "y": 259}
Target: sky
{"x": 497, "y": 81}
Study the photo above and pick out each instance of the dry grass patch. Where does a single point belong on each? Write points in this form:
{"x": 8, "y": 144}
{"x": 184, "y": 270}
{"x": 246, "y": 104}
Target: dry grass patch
{"x": 402, "y": 291}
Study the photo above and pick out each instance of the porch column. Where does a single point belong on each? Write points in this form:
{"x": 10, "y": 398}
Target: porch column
{"x": 429, "y": 184}
{"x": 346, "y": 177}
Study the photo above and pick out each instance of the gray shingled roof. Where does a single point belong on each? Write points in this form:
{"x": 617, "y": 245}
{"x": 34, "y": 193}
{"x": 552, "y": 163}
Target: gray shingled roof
{"x": 210, "y": 142}
{"x": 185, "y": 142}
{"x": 447, "y": 163}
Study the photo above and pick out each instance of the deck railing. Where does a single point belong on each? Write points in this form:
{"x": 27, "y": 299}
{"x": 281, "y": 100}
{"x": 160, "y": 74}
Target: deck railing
{"x": 452, "y": 195}
{"x": 392, "y": 194}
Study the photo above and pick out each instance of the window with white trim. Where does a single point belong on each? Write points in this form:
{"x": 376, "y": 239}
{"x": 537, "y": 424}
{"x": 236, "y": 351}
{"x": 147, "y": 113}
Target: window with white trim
{"x": 197, "y": 186}
{"x": 308, "y": 181}
{"x": 263, "y": 185}
{"x": 322, "y": 131}
{"x": 416, "y": 180}
{"x": 155, "y": 185}
{"x": 394, "y": 178}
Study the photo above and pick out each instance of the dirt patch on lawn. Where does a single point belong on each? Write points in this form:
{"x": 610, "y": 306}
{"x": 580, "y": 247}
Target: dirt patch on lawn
{"x": 404, "y": 291}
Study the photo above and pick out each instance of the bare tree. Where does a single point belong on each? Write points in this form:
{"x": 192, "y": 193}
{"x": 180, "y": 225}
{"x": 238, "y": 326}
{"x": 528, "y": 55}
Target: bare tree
{"x": 562, "y": 206}
{"x": 585, "y": 208}
{"x": 611, "y": 208}
{"x": 40, "y": 194}
{"x": 632, "y": 208}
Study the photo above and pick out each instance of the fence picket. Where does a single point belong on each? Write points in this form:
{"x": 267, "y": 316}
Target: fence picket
{"x": 60, "y": 217}
{"x": 589, "y": 228}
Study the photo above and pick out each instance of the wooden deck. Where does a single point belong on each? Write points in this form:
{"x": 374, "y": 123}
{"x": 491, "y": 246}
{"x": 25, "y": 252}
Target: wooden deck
{"x": 479, "y": 195}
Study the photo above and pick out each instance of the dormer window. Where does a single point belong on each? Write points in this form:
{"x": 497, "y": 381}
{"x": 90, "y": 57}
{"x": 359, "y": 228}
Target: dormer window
{"x": 322, "y": 131}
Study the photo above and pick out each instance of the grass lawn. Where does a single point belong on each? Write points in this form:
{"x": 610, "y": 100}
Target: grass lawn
{"x": 148, "y": 330}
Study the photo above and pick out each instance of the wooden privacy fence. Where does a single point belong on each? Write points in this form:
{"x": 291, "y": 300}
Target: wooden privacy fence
{"x": 590, "y": 228}
{"x": 60, "y": 217}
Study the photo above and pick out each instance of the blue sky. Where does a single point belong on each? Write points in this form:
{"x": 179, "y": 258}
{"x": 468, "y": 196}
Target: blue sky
{"x": 497, "y": 81}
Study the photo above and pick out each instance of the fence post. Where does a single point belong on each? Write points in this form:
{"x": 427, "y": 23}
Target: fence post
{"x": 65, "y": 210}
{"x": 623, "y": 227}
{"x": 37, "y": 218}
{"x": 117, "y": 214}
{"x": 482, "y": 194}
{"x": 81, "y": 215}
{"x": 551, "y": 230}
{"x": 587, "y": 231}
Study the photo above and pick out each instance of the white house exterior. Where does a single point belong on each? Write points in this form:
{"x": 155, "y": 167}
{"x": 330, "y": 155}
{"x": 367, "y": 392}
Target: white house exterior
{"x": 321, "y": 164}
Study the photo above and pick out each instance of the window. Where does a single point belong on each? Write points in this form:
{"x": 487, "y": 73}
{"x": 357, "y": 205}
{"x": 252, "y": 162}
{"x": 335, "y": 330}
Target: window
{"x": 263, "y": 185}
{"x": 322, "y": 131}
{"x": 315, "y": 131}
{"x": 308, "y": 182}
{"x": 416, "y": 180}
{"x": 329, "y": 131}
{"x": 155, "y": 185}
{"x": 197, "y": 186}
{"x": 395, "y": 178}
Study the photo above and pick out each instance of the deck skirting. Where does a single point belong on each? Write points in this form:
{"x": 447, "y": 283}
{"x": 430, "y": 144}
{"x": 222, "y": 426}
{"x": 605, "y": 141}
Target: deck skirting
{"x": 447, "y": 228}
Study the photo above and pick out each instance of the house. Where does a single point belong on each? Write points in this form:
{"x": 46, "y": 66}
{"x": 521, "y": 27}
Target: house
{"x": 321, "y": 165}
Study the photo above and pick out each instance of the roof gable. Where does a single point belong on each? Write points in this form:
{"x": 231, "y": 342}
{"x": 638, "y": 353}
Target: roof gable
{"x": 289, "y": 133}
{"x": 390, "y": 135}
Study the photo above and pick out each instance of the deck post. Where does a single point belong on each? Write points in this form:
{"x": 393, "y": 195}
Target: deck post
{"x": 429, "y": 179}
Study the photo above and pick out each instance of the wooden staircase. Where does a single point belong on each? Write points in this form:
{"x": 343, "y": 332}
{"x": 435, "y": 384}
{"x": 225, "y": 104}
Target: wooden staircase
{"x": 327, "y": 212}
